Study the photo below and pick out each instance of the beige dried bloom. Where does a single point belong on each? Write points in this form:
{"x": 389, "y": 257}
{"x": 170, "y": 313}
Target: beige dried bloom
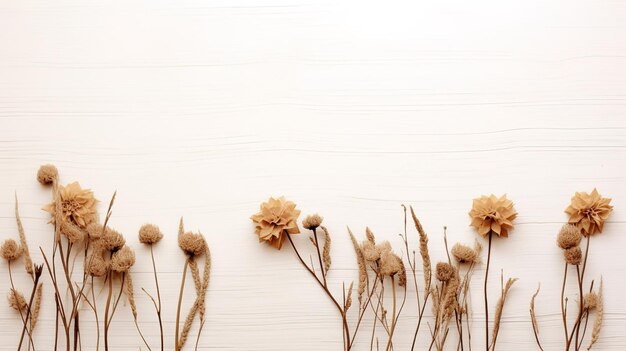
{"x": 17, "y": 300}
{"x": 96, "y": 266}
{"x": 150, "y": 234}
{"x": 192, "y": 244}
{"x": 370, "y": 252}
{"x": 370, "y": 235}
{"x": 94, "y": 230}
{"x": 78, "y": 205}
{"x": 276, "y": 219}
{"x": 47, "y": 174}
{"x": 112, "y": 240}
{"x": 490, "y": 213}
{"x": 465, "y": 254}
{"x": 589, "y": 212}
{"x": 313, "y": 221}
{"x": 590, "y": 301}
{"x": 73, "y": 232}
{"x": 123, "y": 259}
{"x": 569, "y": 236}
{"x": 444, "y": 271}
{"x": 573, "y": 255}
{"x": 10, "y": 250}
{"x": 390, "y": 263}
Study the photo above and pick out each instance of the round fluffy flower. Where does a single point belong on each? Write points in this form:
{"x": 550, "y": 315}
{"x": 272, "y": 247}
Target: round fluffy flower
{"x": 73, "y": 232}
{"x": 94, "y": 230}
{"x": 77, "y": 205}
{"x": 123, "y": 259}
{"x": 149, "y": 234}
{"x": 390, "y": 264}
{"x": 490, "y": 213}
{"x": 10, "y": 250}
{"x": 589, "y": 211}
{"x": 313, "y": 221}
{"x": 193, "y": 244}
{"x": 568, "y": 237}
{"x": 590, "y": 302}
{"x": 444, "y": 271}
{"x": 573, "y": 255}
{"x": 276, "y": 219}
{"x": 465, "y": 254}
{"x": 112, "y": 240}
{"x": 47, "y": 174}
{"x": 96, "y": 265}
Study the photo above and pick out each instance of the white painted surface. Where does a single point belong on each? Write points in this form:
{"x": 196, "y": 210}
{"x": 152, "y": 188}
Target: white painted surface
{"x": 204, "y": 109}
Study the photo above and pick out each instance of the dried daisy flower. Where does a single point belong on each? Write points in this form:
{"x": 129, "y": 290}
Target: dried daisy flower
{"x": 276, "y": 219}
{"x": 466, "y": 254}
{"x": 589, "y": 212}
{"x": 10, "y": 250}
{"x": 573, "y": 255}
{"x": 78, "y": 205}
{"x": 17, "y": 301}
{"x": 569, "y": 236}
{"x": 112, "y": 240}
{"x": 47, "y": 174}
{"x": 192, "y": 244}
{"x": 313, "y": 221}
{"x": 123, "y": 259}
{"x": 150, "y": 234}
{"x": 493, "y": 214}
{"x": 444, "y": 271}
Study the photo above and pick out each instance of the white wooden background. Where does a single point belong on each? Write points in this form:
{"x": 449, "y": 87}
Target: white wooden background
{"x": 203, "y": 109}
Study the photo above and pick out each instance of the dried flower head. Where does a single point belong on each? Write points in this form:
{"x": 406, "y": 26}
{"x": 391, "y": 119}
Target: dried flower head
{"x": 150, "y": 234}
{"x": 590, "y": 301}
{"x": 573, "y": 255}
{"x": 390, "y": 263}
{"x": 94, "y": 230}
{"x": 17, "y": 300}
{"x": 313, "y": 221}
{"x": 112, "y": 240}
{"x": 73, "y": 232}
{"x": 490, "y": 213}
{"x": 96, "y": 266}
{"x": 465, "y": 254}
{"x": 589, "y": 211}
{"x": 276, "y": 219}
{"x": 47, "y": 174}
{"x": 192, "y": 244}
{"x": 569, "y": 236}
{"x": 123, "y": 259}
{"x": 370, "y": 252}
{"x": 444, "y": 271}
{"x": 10, "y": 250}
{"x": 78, "y": 205}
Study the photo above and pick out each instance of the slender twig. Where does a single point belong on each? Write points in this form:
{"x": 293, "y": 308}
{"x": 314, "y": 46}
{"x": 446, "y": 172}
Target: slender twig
{"x": 156, "y": 281}
{"x": 485, "y": 291}
{"x": 180, "y": 300}
{"x": 38, "y": 270}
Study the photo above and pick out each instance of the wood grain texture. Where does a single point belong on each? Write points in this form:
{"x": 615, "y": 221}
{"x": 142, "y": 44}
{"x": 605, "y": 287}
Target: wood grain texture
{"x": 350, "y": 108}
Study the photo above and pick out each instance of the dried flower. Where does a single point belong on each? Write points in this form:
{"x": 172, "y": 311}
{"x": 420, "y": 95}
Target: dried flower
{"x": 590, "y": 301}
{"x": 589, "y": 211}
{"x": 73, "y": 232}
{"x": 10, "y": 250}
{"x": 150, "y": 234}
{"x": 112, "y": 240}
{"x": 490, "y": 213}
{"x": 313, "y": 221}
{"x": 17, "y": 300}
{"x": 465, "y": 254}
{"x": 569, "y": 237}
{"x": 96, "y": 266}
{"x": 277, "y": 218}
{"x": 47, "y": 174}
{"x": 123, "y": 259}
{"x": 390, "y": 263}
{"x": 94, "y": 230}
{"x": 78, "y": 205}
{"x": 444, "y": 271}
{"x": 370, "y": 252}
{"x": 193, "y": 244}
{"x": 573, "y": 255}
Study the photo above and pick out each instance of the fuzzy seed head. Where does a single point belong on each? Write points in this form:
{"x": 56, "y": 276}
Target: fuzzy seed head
{"x": 192, "y": 244}
{"x": 569, "y": 236}
{"x": 150, "y": 234}
{"x": 112, "y": 240}
{"x": 573, "y": 255}
{"x": 123, "y": 259}
{"x": 10, "y": 250}
{"x": 444, "y": 271}
{"x": 47, "y": 174}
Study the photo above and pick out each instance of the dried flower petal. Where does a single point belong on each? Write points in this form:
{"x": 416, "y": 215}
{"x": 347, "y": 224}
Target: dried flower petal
{"x": 78, "y": 205}
{"x": 589, "y": 212}
{"x": 73, "y": 232}
{"x": 276, "y": 219}
{"x": 490, "y": 213}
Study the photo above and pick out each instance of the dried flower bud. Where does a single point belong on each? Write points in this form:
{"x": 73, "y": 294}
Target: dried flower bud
{"x": 192, "y": 244}
{"x": 47, "y": 174}
{"x": 370, "y": 253}
{"x": 464, "y": 253}
{"x": 17, "y": 300}
{"x": 390, "y": 263}
{"x": 569, "y": 236}
{"x": 590, "y": 301}
{"x": 10, "y": 250}
{"x": 123, "y": 259}
{"x": 573, "y": 255}
{"x": 313, "y": 221}
{"x": 94, "y": 230}
{"x": 444, "y": 271}
{"x": 96, "y": 265}
{"x": 149, "y": 234}
{"x": 73, "y": 232}
{"x": 112, "y": 240}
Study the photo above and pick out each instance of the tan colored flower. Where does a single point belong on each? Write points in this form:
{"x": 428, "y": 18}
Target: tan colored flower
{"x": 123, "y": 259}
{"x": 47, "y": 174}
{"x": 589, "y": 211}
{"x": 192, "y": 244}
{"x": 466, "y": 254}
{"x": 313, "y": 221}
{"x": 444, "y": 271}
{"x": 569, "y": 236}
{"x": 276, "y": 219}
{"x": 490, "y": 213}
{"x": 10, "y": 250}
{"x": 573, "y": 255}
{"x": 77, "y": 204}
{"x": 150, "y": 234}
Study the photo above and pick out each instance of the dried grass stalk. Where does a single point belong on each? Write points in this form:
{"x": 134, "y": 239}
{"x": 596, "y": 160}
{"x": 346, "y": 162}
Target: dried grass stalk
{"x": 326, "y": 250}
{"x": 533, "y": 316}
{"x": 28, "y": 262}
{"x": 423, "y": 251}
{"x": 499, "y": 308}
{"x": 34, "y": 314}
{"x": 360, "y": 259}
{"x": 597, "y": 324}
{"x": 349, "y": 298}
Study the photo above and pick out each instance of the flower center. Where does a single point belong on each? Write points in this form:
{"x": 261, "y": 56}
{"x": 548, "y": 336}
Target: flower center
{"x": 70, "y": 206}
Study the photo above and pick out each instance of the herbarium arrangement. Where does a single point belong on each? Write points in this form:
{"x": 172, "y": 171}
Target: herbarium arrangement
{"x": 107, "y": 260}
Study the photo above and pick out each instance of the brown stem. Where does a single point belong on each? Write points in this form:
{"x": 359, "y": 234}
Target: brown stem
{"x": 106, "y": 312}
{"x": 485, "y": 292}
{"x": 563, "y": 311}
{"x": 156, "y": 281}
{"x": 393, "y": 313}
{"x": 319, "y": 256}
{"x": 20, "y": 311}
{"x": 30, "y": 304}
{"x": 180, "y": 300}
